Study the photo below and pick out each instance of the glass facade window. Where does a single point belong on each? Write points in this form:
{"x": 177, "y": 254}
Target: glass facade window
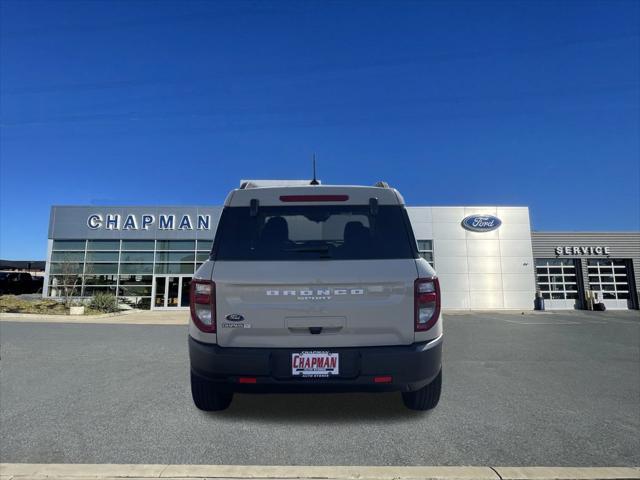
{"x": 176, "y": 245}
{"x": 64, "y": 290}
{"x": 93, "y": 268}
{"x": 205, "y": 245}
{"x": 165, "y": 268}
{"x": 136, "y": 268}
{"x": 175, "y": 257}
{"x": 69, "y": 245}
{"x": 202, "y": 257}
{"x": 103, "y": 245}
{"x": 134, "y": 291}
{"x": 102, "y": 256}
{"x": 136, "y": 279}
{"x": 90, "y": 291}
{"x": 425, "y": 250}
{"x": 138, "y": 245}
{"x": 66, "y": 268}
{"x": 65, "y": 280}
{"x": 139, "y": 257}
{"x": 125, "y": 268}
{"x": 67, "y": 256}
{"x": 100, "y": 279}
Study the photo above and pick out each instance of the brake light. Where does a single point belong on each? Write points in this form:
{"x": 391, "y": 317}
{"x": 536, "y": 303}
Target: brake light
{"x": 247, "y": 380}
{"x": 426, "y": 303}
{"x": 314, "y": 198}
{"x": 203, "y": 305}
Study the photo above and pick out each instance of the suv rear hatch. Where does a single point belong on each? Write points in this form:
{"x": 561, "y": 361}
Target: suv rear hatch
{"x": 314, "y": 276}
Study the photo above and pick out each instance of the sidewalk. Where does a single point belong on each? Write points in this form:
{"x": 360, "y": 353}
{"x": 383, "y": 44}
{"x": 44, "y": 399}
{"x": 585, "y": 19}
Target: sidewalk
{"x": 18, "y": 471}
{"x": 126, "y": 317}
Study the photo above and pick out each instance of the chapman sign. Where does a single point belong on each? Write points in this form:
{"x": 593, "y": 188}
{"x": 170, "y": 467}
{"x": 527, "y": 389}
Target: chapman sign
{"x": 114, "y": 221}
{"x": 582, "y": 250}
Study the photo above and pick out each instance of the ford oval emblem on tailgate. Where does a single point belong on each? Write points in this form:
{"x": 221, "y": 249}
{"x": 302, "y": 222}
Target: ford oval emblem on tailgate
{"x": 481, "y": 223}
{"x": 234, "y": 317}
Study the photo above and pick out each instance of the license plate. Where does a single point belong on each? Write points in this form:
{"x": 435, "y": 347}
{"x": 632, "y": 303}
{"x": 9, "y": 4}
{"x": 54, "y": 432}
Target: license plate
{"x": 315, "y": 364}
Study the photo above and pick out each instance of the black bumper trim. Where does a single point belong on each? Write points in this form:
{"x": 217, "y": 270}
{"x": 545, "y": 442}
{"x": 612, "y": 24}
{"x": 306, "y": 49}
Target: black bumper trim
{"x": 410, "y": 366}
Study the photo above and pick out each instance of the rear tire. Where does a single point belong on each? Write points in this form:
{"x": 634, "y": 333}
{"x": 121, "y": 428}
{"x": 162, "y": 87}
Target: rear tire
{"x": 206, "y": 397}
{"x": 426, "y": 398}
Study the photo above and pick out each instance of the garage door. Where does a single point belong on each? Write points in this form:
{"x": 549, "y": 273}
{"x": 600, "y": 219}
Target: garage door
{"x": 610, "y": 280}
{"x": 557, "y": 282}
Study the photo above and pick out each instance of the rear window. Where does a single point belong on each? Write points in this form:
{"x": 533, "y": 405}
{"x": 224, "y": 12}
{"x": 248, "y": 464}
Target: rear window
{"x": 345, "y": 232}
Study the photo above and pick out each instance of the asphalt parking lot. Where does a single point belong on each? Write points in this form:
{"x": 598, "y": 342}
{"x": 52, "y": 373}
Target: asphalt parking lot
{"x": 534, "y": 389}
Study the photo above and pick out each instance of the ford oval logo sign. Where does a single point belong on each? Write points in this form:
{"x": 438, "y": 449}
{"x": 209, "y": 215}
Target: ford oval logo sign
{"x": 234, "y": 317}
{"x": 481, "y": 223}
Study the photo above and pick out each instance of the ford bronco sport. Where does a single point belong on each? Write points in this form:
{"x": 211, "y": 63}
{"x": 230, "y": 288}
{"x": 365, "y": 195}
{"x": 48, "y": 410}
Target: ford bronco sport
{"x": 315, "y": 288}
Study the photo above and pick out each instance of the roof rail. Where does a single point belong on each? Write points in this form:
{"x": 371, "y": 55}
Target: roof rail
{"x": 381, "y": 184}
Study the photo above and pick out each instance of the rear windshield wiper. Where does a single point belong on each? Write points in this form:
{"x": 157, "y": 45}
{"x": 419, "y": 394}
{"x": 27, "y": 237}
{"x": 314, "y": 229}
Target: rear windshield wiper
{"x": 311, "y": 249}
{"x": 322, "y": 249}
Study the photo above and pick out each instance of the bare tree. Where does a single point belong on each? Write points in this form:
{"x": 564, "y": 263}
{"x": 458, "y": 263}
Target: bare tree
{"x": 68, "y": 273}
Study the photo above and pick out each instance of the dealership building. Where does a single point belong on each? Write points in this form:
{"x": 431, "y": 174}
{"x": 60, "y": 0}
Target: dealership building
{"x": 147, "y": 256}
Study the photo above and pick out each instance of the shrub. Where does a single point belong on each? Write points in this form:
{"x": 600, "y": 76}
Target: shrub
{"x": 104, "y": 302}
{"x": 13, "y": 304}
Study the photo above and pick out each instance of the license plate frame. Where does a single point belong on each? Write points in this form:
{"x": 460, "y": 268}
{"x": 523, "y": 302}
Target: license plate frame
{"x": 315, "y": 364}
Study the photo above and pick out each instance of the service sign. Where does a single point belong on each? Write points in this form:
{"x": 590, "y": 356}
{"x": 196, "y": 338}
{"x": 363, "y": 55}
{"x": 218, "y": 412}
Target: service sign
{"x": 583, "y": 250}
{"x": 481, "y": 223}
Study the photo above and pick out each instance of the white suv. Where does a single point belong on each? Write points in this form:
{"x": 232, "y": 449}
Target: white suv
{"x": 315, "y": 288}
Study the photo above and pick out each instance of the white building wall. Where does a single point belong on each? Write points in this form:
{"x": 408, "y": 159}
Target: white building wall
{"x": 47, "y": 266}
{"x": 480, "y": 270}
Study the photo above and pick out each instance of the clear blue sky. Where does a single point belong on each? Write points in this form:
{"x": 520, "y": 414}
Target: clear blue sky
{"x": 455, "y": 103}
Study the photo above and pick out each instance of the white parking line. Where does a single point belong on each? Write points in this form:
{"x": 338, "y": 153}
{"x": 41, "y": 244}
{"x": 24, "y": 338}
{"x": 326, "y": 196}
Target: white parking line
{"x": 539, "y": 323}
{"x": 23, "y": 471}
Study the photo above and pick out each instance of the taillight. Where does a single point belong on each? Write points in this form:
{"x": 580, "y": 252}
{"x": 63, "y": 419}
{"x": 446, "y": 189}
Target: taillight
{"x": 314, "y": 198}
{"x": 426, "y": 303}
{"x": 203, "y": 305}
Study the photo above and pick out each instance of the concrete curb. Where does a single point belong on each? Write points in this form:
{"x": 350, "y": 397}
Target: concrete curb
{"x": 127, "y": 317}
{"x": 27, "y": 316}
{"x": 23, "y": 471}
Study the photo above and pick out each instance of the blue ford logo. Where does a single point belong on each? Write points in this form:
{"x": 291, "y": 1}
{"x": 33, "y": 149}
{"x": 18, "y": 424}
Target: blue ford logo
{"x": 481, "y": 223}
{"x": 234, "y": 317}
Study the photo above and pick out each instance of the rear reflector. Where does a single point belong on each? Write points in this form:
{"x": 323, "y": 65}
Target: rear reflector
{"x": 314, "y": 198}
{"x": 247, "y": 380}
{"x": 383, "y": 379}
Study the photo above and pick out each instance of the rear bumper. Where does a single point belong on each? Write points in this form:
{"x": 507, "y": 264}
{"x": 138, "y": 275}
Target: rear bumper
{"x": 410, "y": 366}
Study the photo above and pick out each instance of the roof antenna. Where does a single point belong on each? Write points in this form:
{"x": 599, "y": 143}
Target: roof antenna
{"x": 314, "y": 181}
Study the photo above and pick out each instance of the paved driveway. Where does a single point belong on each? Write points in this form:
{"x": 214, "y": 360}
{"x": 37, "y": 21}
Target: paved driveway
{"x": 534, "y": 389}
